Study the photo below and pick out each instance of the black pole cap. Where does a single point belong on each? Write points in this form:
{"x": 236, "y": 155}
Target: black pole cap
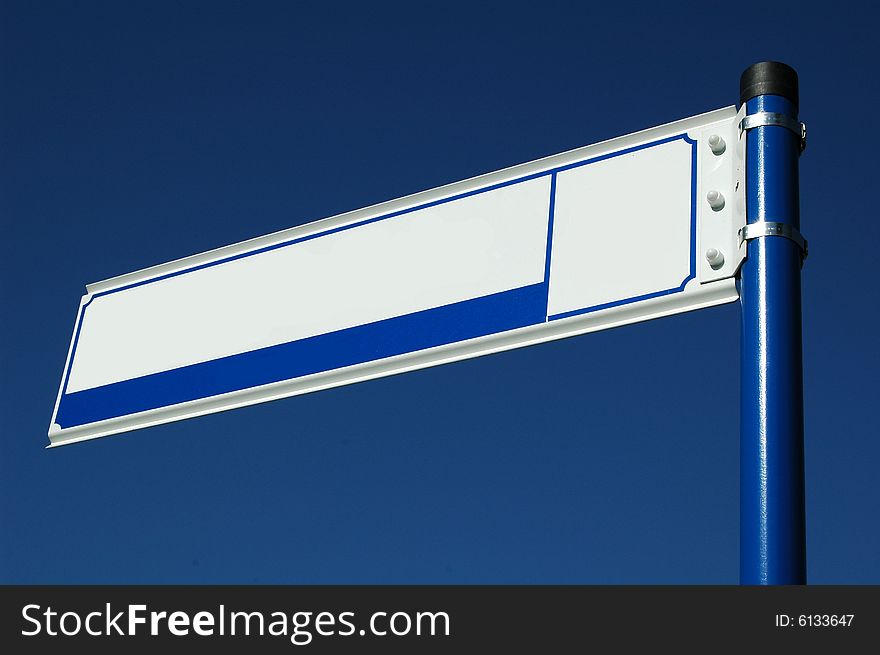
{"x": 769, "y": 78}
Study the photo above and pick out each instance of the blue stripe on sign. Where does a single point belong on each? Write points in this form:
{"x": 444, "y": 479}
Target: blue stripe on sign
{"x": 468, "y": 319}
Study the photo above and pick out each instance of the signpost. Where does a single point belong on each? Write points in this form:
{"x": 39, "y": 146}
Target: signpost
{"x": 627, "y": 230}
{"x": 772, "y": 538}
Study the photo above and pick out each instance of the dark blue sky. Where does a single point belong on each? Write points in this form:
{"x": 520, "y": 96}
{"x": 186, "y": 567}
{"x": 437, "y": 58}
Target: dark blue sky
{"x": 136, "y": 133}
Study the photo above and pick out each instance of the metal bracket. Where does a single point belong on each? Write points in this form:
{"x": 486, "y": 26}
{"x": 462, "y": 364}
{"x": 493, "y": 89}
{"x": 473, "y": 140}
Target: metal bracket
{"x": 770, "y": 118}
{"x": 773, "y": 229}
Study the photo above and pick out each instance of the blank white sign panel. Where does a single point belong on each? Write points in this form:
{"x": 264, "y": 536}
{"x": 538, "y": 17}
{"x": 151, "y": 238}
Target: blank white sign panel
{"x": 477, "y": 246}
{"x": 592, "y": 238}
{"x": 614, "y": 214}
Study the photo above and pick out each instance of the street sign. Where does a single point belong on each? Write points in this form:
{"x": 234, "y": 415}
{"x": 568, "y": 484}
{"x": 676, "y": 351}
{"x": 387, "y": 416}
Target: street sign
{"x": 627, "y": 230}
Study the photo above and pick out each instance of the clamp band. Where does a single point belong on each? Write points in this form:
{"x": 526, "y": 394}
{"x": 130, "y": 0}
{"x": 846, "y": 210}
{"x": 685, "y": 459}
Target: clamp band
{"x": 772, "y": 229}
{"x": 770, "y": 118}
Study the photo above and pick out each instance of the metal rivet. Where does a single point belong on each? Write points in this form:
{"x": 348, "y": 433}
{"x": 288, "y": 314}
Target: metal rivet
{"x": 717, "y": 145}
{"x": 715, "y": 200}
{"x": 715, "y": 258}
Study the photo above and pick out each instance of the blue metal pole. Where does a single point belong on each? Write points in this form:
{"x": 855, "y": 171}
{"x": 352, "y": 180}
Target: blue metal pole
{"x": 772, "y": 539}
